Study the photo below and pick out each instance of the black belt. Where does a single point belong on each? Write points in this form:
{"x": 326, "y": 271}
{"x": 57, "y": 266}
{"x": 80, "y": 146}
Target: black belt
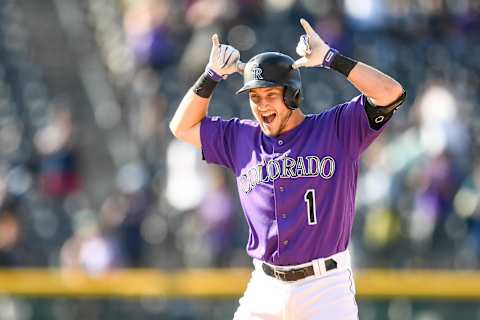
{"x": 296, "y": 274}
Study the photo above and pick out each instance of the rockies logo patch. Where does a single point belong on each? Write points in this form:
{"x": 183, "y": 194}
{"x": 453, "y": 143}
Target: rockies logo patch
{"x": 257, "y": 72}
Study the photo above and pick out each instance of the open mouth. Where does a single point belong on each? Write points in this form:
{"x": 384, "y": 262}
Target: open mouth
{"x": 269, "y": 117}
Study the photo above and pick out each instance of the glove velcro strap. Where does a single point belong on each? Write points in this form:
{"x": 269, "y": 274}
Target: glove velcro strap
{"x": 328, "y": 59}
{"x": 213, "y": 75}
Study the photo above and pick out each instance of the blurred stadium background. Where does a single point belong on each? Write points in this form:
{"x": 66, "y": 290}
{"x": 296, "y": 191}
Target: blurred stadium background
{"x": 92, "y": 180}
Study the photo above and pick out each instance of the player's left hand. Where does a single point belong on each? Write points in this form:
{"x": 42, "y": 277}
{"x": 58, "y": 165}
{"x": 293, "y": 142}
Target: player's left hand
{"x": 310, "y": 47}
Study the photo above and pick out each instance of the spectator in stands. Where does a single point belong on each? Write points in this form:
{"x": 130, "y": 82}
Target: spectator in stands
{"x": 217, "y": 217}
{"x": 10, "y": 234}
{"x": 87, "y": 248}
{"x": 59, "y": 168}
{"x": 146, "y": 24}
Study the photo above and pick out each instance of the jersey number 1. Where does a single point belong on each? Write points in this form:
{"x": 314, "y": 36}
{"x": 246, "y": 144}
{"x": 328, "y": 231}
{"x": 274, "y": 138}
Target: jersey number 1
{"x": 309, "y": 198}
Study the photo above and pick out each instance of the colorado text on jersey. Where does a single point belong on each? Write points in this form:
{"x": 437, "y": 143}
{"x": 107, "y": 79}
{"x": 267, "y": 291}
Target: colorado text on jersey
{"x": 287, "y": 167}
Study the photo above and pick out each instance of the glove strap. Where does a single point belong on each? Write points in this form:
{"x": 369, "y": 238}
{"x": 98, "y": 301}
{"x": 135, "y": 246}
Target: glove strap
{"x": 213, "y": 75}
{"x": 328, "y": 59}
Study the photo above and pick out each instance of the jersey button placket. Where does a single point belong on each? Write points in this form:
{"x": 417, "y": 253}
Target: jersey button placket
{"x": 281, "y": 190}
{"x": 284, "y": 242}
{"x": 284, "y": 216}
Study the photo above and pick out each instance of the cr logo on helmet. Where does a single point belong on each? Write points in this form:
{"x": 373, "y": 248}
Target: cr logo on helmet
{"x": 257, "y": 72}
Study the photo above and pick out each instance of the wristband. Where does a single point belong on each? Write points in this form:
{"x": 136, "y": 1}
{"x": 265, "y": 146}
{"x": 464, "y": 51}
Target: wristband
{"x": 205, "y": 85}
{"x": 342, "y": 64}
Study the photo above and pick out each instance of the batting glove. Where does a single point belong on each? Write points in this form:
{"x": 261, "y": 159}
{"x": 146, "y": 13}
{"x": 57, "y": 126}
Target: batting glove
{"x": 224, "y": 60}
{"x": 312, "y": 49}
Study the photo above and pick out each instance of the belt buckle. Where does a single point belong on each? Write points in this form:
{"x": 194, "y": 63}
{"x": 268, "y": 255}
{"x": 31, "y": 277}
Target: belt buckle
{"x": 280, "y": 274}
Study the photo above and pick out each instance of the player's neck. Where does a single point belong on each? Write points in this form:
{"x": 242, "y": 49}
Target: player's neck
{"x": 296, "y": 118}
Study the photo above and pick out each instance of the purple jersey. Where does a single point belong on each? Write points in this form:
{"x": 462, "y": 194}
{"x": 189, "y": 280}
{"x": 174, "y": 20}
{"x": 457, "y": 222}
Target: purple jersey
{"x": 298, "y": 189}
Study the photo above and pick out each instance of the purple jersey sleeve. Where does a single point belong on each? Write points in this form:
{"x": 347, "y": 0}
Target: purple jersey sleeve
{"x": 353, "y": 127}
{"x": 218, "y": 137}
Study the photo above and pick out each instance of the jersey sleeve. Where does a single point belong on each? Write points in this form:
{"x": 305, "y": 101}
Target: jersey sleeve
{"x": 353, "y": 126}
{"x": 219, "y": 138}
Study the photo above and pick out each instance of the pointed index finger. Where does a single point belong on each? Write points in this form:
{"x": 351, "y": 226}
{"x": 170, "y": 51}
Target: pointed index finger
{"x": 307, "y": 27}
{"x": 215, "y": 41}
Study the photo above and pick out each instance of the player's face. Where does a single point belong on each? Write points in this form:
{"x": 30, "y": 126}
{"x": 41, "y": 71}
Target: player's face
{"x": 269, "y": 109}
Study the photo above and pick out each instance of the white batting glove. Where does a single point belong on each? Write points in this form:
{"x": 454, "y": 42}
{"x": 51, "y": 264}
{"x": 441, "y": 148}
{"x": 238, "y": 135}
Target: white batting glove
{"x": 224, "y": 59}
{"x": 311, "y": 48}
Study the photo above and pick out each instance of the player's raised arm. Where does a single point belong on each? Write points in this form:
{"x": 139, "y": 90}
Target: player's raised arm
{"x": 185, "y": 124}
{"x": 381, "y": 90}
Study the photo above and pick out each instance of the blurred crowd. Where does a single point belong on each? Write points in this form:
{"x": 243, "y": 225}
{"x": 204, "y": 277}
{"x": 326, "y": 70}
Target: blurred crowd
{"x": 418, "y": 201}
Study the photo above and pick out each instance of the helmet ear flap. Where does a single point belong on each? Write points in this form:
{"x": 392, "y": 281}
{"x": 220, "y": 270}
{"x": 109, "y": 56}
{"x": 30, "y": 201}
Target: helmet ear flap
{"x": 292, "y": 97}
{"x": 298, "y": 97}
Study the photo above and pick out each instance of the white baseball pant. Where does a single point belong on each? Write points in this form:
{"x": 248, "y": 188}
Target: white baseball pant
{"x": 327, "y": 295}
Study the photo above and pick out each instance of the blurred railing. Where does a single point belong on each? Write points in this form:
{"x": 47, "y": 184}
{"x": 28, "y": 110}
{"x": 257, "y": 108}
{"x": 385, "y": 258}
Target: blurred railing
{"x": 226, "y": 283}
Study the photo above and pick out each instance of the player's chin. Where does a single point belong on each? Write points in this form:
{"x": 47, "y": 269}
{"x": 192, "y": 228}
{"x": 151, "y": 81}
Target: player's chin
{"x": 268, "y": 130}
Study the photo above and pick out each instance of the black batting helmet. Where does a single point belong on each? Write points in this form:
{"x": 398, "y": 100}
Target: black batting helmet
{"x": 274, "y": 69}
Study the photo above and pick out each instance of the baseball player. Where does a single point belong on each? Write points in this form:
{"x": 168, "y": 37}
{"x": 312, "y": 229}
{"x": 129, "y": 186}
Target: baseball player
{"x": 296, "y": 174}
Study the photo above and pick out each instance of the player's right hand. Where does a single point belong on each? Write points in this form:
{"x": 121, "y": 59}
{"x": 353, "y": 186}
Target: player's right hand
{"x": 224, "y": 59}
